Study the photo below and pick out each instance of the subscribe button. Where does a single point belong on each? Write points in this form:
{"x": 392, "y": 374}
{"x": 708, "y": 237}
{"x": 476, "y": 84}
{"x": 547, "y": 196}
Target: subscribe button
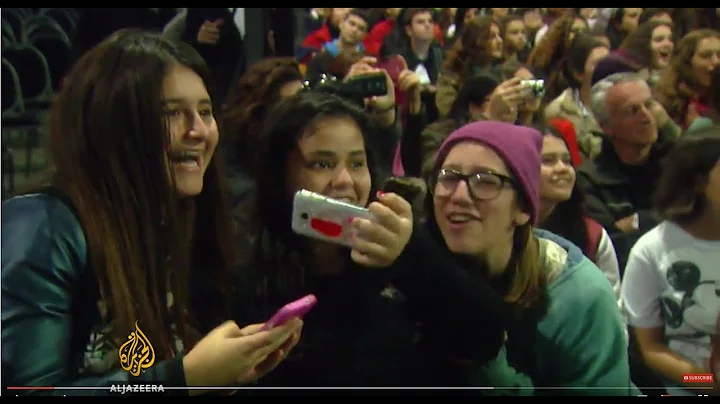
{"x": 699, "y": 378}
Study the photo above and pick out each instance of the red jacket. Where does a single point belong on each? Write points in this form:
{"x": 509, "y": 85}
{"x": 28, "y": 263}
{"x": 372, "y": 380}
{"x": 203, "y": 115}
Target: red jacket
{"x": 374, "y": 39}
{"x": 318, "y": 38}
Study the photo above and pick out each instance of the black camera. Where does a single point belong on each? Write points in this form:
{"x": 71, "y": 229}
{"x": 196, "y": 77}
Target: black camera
{"x": 355, "y": 89}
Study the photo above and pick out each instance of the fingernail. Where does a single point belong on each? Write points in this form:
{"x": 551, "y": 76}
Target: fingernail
{"x": 380, "y": 194}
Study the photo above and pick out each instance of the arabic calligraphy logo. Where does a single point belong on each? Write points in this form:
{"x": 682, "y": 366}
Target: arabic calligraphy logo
{"x": 137, "y": 353}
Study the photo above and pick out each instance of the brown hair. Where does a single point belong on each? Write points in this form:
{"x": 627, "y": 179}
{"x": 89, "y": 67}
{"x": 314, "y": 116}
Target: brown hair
{"x": 680, "y": 194}
{"x": 638, "y": 45}
{"x": 410, "y": 13}
{"x": 677, "y": 84}
{"x": 470, "y": 49}
{"x": 249, "y": 101}
{"x": 649, "y": 13}
{"x": 108, "y": 142}
{"x": 445, "y": 19}
{"x": 552, "y": 48}
{"x": 507, "y": 71}
{"x": 504, "y": 22}
{"x": 578, "y": 53}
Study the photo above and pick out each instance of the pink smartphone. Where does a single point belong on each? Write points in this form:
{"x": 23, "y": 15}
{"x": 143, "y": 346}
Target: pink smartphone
{"x": 298, "y": 308}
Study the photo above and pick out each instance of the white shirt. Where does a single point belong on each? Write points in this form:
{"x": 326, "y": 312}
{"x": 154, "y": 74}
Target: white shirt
{"x": 672, "y": 280}
{"x": 607, "y": 262}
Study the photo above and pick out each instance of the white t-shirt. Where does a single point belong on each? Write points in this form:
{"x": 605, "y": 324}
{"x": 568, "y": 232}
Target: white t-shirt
{"x": 673, "y": 280}
{"x": 606, "y": 260}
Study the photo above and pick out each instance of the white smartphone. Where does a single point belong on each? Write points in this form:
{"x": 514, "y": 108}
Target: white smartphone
{"x": 317, "y": 216}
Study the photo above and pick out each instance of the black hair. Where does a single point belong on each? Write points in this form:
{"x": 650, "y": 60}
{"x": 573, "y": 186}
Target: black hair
{"x": 568, "y": 218}
{"x": 279, "y": 248}
{"x": 475, "y": 91}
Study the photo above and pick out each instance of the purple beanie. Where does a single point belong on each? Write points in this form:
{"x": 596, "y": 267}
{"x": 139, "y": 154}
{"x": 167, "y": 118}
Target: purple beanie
{"x": 518, "y": 146}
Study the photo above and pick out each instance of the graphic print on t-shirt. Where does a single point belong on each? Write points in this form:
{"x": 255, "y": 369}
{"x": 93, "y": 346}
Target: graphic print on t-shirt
{"x": 693, "y": 302}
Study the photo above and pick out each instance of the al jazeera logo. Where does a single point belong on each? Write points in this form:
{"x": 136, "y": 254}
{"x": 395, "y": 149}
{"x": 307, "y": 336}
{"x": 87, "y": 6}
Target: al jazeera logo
{"x": 136, "y": 355}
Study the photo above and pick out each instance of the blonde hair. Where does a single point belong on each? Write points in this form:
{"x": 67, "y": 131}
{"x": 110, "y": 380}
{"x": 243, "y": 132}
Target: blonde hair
{"x": 530, "y": 279}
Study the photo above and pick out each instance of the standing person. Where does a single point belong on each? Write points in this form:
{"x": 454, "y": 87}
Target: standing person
{"x": 217, "y": 35}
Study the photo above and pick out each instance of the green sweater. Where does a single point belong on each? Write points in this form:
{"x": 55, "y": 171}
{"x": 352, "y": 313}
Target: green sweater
{"x": 577, "y": 347}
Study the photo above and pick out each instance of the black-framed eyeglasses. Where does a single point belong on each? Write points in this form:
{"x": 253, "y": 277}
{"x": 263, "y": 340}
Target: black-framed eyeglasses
{"x": 482, "y": 186}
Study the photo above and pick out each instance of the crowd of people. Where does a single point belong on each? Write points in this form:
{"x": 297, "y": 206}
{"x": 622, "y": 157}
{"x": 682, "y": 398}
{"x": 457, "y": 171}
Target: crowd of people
{"x": 562, "y": 238}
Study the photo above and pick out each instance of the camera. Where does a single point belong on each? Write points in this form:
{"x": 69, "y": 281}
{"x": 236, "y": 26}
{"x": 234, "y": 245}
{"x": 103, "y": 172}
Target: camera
{"x": 355, "y": 89}
{"x": 537, "y": 87}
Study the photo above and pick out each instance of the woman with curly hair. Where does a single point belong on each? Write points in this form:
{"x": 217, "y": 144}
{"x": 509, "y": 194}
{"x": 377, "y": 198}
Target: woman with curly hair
{"x": 683, "y": 87}
{"x": 713, "y": 114}
{"x": 478, "y": 48}
{"x": 651, "y": 46}
{"x": 547, "y": 56}
{"x": 265, "y": 83}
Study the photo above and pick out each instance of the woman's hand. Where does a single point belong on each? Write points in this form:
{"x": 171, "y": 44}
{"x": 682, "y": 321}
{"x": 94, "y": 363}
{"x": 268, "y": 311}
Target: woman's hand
{"x": 378, "y": 243}
{"x": 409, "y": 83}
{"x": 229, "y": 355}
{"x": 504, "y": 101}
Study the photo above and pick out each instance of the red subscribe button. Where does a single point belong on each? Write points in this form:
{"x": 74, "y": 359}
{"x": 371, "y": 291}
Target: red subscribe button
{"x": 699, "y": 378}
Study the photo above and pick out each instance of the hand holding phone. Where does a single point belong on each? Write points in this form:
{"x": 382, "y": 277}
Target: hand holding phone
{"x": 394, "y": 66}
{"x": 299, "y": 308}
{"x": 369, "y": 85}
{"x": 324, "y": 218}
{"x": 378, "y": 243}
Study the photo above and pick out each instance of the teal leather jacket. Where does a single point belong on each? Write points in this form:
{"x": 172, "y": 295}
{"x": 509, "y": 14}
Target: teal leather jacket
{"x": 49, "y": 304}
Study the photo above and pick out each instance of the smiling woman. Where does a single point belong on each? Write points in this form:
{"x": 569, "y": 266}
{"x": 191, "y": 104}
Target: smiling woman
{"x": 192, "y": 126}
{"x": 485, "y": 202}
{"x": 131, "y": 232}
{"x": 390, "y": 307}
{"x": 561, "y": 210}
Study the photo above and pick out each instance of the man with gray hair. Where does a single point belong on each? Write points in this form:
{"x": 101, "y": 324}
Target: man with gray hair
{"x": 620, "y": 181}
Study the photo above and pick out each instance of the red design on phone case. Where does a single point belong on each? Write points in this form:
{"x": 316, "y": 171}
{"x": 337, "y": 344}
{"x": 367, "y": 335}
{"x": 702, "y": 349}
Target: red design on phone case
{"x": 326, "y": 227}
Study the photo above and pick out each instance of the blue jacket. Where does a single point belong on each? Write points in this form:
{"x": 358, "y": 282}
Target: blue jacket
{"x": 576, "y": 345}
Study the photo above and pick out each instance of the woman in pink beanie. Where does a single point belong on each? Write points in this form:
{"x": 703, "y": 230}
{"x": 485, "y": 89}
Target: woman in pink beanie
{"x": 568, "y": 332}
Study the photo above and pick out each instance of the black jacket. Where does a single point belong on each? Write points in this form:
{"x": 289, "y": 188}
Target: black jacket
{"x": 226, "y": 58}
{"x": 615, "y": 190}
{"x": 406, "y": 325}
